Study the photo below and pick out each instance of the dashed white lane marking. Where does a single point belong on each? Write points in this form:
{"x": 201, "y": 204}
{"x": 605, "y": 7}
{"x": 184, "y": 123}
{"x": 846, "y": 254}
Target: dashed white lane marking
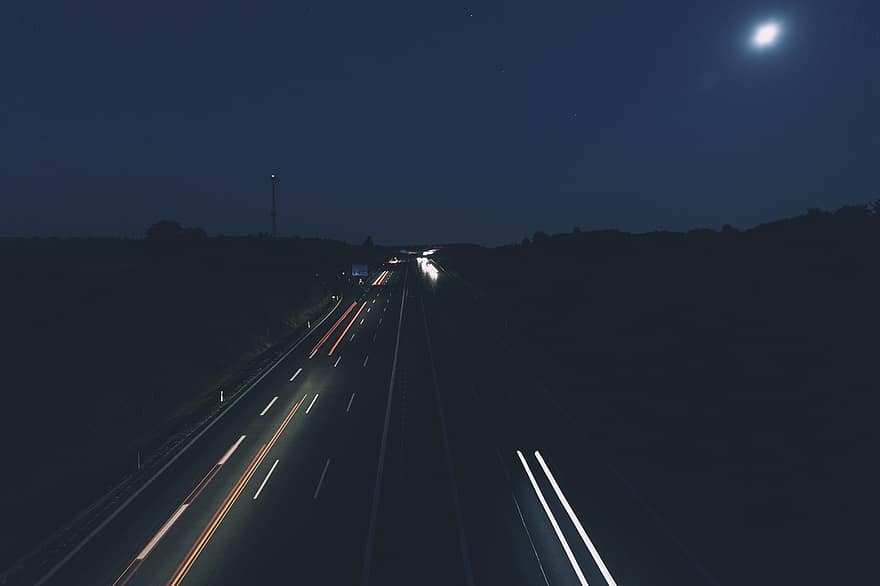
{"x": 337, "y": 361}
{"x": 296, "y": 374}
{"x": 352, "y": 337}
{"x": 368, "y": 309}
{"x": 380, "y": 321}
{"x": 265, "y": 480}
{"x": 366, "y": 359}
{"x": 312, "y": 404}
{"x": 350, "y": 401}
{"x": 362, "y": 321}
{"x": 272, "y": 402}
{"x": 321, "y": 480}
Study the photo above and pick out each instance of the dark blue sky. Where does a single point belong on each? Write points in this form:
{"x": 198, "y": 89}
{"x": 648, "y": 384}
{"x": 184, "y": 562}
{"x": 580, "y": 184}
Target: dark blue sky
{"x": 432, "y": 121}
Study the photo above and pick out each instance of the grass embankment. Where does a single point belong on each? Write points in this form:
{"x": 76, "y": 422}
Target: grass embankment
{"x": 738, "y": 368}
{"x": 110, "y": 345}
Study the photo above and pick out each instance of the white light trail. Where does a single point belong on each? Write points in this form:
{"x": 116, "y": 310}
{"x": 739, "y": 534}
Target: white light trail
{"x": 161, "y": 533}
{"x": 569, "y": 554}
{"x": 577, "y": 523}
{"x": 230, "y": 451}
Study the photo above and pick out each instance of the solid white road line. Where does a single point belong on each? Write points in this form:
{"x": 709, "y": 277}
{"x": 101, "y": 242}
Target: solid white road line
{"x": 161, "y": 533}
{"x": 577, "y": 523}
{"x": 230, "y": 451}
{"x": 321, "y": 480}
{"x": 296, "y": 374}
{"x": 531, "y": 542}
{"x": 366, "y": 359}
{"x": 263, "y": 412}
{"x": 549, "y": 513}
{"x": 347, "y": 409}
{"x": 312, "y": 403}
{"x": 337, "y": 361}
{"x": 265, "y": 480}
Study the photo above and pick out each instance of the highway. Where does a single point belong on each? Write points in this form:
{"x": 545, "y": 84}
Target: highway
{"x": 404, "y": 441}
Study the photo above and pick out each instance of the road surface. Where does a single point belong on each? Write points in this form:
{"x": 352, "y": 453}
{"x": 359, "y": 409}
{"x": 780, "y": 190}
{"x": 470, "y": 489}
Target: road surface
{"x": 405, "y": 441}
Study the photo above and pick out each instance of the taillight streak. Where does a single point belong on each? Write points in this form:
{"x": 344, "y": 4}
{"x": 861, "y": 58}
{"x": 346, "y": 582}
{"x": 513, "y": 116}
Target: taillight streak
{"x": 192, "y": 496}
{"x": 345, "y": 331}
{"x": 233, "y": 495}
{"x": 331, "y": 330}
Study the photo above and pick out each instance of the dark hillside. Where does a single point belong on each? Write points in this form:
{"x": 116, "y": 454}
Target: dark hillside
{"x": 110, "y": 345}
{"x": 731, "y": 374}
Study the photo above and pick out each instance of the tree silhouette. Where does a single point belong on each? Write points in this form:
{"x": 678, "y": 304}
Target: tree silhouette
{"x": 166, "y": 230}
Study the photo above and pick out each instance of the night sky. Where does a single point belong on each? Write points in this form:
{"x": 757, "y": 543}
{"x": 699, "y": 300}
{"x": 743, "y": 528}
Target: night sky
{"x": 422, "y": 121}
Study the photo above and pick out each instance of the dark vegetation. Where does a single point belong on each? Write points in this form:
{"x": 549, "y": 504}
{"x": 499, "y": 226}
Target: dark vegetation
{"x": 730, "y": 374}
{"x": 110, "y": 346}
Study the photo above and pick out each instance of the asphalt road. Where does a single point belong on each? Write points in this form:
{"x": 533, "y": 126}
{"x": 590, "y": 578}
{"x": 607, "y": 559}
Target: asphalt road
{"x": 414, "y": 445}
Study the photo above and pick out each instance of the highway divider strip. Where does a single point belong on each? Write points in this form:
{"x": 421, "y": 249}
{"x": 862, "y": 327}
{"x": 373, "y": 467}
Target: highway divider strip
{"x": 380, "y": 467}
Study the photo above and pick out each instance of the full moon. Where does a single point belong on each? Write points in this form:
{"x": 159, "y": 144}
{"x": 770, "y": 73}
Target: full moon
{"x": 766, "y": 35}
